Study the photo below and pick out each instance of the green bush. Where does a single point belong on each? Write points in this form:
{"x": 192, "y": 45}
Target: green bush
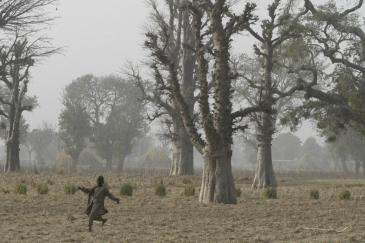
{"x": 69, "y": 189}
{"x": 42, "y": 189}
{"x": 126, "y": 189}
{"x": 160, "y": 190}
{"x": 270, "y": 192}
{"x": 105, "y": 184}
{"x": 189, "y": 191}
{"x": 238, "y": 192}
{"x": 314, "y": 193}
{"x": 345, "y": 194}
{"x": 20, "y": 188}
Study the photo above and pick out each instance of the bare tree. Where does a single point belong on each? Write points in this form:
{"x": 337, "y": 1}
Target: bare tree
{"x": 20, "y": 48}
{"x": 177, "y": 24}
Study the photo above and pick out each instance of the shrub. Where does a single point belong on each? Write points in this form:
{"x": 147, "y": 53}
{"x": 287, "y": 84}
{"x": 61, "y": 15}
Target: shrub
{"x": 314, "y": 193}
{"x": 186, "y": 180}
{"x": 189, "y": 191}
{"x": 42, "y": 189}
{"x": 126, "y": 189}
{"x": 160, "y": 190}
{"x": 345, "y": 194}
{"x": 69, "y": 189}
{"x": 20, "y": 189}
{"x": 270, "y": 192}
{"x": 105, "y": 184}
{"x": 238, "y": 192}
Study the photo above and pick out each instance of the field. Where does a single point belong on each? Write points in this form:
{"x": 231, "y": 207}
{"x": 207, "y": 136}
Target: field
{"x": 144, "y": 217}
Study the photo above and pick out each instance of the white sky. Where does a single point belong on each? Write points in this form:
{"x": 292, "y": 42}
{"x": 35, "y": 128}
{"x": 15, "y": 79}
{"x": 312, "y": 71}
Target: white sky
{"x": 98, "y": 36}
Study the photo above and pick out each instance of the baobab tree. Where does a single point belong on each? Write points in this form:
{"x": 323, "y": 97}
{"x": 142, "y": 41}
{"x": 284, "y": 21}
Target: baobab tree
{"x": 20, "y": 49}
{"x": 217, "y": 118}
{"x": 177, "y": 24}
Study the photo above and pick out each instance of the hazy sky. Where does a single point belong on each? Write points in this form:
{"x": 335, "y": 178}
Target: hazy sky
{"x": 98, "y": 36}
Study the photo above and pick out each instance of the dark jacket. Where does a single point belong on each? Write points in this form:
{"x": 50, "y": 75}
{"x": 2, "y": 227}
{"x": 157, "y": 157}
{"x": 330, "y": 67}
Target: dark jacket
{"x": 96, "y": 198}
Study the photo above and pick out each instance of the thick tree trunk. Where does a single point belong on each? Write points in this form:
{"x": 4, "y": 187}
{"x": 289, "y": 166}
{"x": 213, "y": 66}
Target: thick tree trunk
{"x": 109, "y": 161}
{"x": 121, "y": 162}
{"x": 264, "y": 175}
{"x": 182, "y": 157}
{"x": 13, "y": 141}
{"x": 217, "y": 181}
{"x": 357, "y": 167}
{"x": 343, "y": 162}
{"x": 75, "y": 159}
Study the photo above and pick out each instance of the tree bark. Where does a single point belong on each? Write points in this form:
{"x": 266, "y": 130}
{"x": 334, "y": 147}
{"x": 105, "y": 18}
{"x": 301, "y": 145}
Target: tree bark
{"x": 357, "y": 167}
{"x": 217, "y": 181}
{"x": 121, "y": 162}
{"x": 343, "y": 162}
{"x": 182, "y": 156}
{"x": 109, "y": 161}
{"x": 264, "y": 175}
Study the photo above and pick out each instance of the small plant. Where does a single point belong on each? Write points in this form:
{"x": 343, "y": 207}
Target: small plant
{"x": 42, "y": 188}
{"x": 160, "y": 190}
{"x": 50, "y": 182}
{"x": 185, "y": 180}
{"x": 69, "y": 189}
{"x": 270, "y": 192}
{"x": 345, "y": 194}
{"x": 314, "y": 193}
{"x": 189, "y": 191}
{"x": 126, "y": 189}
{"x": 238, "y": 192}
{"x": 105, "y": 184}
{"x": 20, "y": 188}
{"x": 61, "y": 171}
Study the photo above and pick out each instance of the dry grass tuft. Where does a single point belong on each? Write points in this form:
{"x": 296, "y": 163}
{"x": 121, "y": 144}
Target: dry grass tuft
{"x": 69, "y": 189}
{"x": 42, "y": 189}
{"x": 186, "y": 180}
{"x": 20, "y": 188}
{"x": 189, "y": 191}
{"x": 270, "y": 192}
{"x": 345, "y": 194}
{"x": 160, "y": 190}
{"x": 126, "y": 189}
{"x": 314, "y": 193}
{"x": 238, "y": 192}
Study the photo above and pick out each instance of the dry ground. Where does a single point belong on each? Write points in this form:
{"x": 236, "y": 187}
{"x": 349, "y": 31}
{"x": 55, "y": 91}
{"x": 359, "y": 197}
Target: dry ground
{"x": 144, "y": 217}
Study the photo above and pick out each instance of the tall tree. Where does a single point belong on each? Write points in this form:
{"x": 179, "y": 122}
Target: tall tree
{"x": 74, "y": 126}
{"x": 276, "y": 31}
{"x": 286, "y": 146}
{"x": 113, "y": 109}
{"x": 338, "y": 35}
{"x": 217, "y": 118}
{"x": 20, "y": 49}
{"x": 177, "y": 24}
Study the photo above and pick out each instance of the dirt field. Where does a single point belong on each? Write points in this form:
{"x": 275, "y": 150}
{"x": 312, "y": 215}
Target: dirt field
{"x": 144, "y": 217}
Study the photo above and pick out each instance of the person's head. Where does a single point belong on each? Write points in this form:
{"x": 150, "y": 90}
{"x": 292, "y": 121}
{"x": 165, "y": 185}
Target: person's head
{"x": 100, "y": 180}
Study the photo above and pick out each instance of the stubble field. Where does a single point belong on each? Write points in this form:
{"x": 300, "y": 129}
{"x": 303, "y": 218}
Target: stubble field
{"x": 144, "y": 217}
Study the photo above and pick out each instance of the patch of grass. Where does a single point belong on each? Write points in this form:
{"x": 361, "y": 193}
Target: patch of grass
{"x": 270, "y": 192}
{"x": 314, "y": 193}
{"x": 238, "y": 192}
{"x": 69, "y": 189}
{"x": 186, "y": 180}
{"x": 345, "y": 194}
{"x": 160, "y": 190}
{"x": 61, "y": 171}
{"x": 189, "y": 191}
{"x": 126, "y": 189}
{"x": 20, "y": 188}
{"x": 50, "y": 182}
{"x": 42, "y": 189}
